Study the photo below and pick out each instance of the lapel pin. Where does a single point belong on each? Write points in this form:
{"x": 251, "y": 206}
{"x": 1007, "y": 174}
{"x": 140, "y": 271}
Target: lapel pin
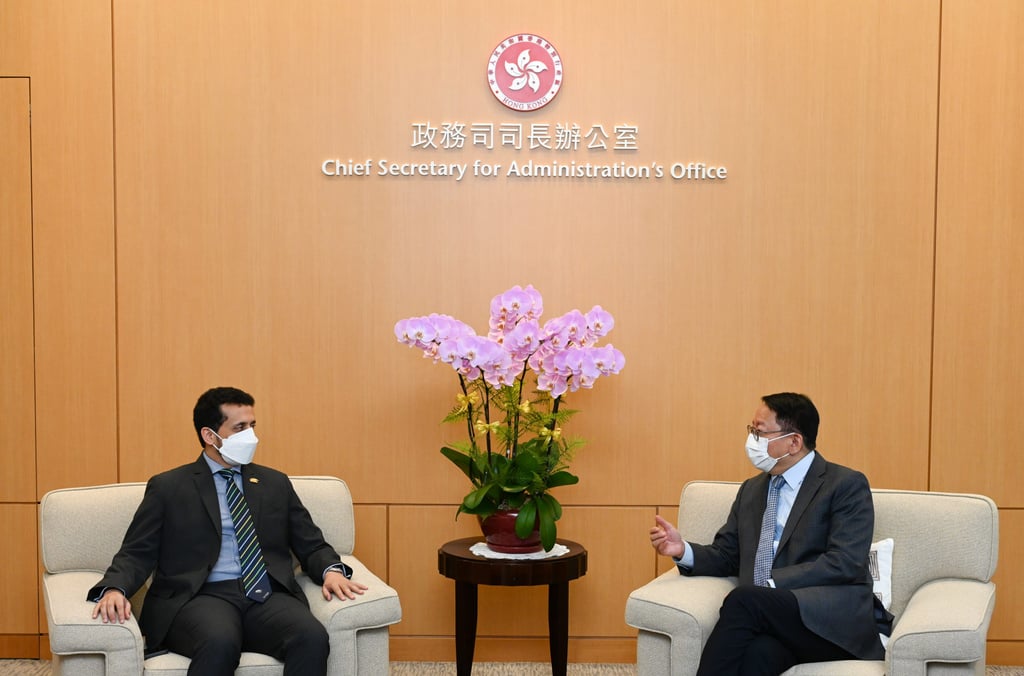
{"x": 253, "y": 480}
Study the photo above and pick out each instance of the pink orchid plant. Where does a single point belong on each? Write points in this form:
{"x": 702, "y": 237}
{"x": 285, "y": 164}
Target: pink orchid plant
{"x": 512, "y": 384}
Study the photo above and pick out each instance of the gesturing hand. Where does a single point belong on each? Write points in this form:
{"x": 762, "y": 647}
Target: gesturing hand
{"x": 666, "y": 539}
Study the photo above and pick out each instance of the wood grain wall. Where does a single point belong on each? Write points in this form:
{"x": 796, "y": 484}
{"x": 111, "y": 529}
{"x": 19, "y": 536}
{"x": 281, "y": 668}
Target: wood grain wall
{"x": 166, "y": 228}
{"x": 978, "y": 354}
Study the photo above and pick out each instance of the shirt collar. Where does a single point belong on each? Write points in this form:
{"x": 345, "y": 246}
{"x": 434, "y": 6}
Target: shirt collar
{"x": 795, "y": 475}
{"x": 216, "y": 466}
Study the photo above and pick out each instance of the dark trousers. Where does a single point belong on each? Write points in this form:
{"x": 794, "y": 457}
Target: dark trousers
{"x": 216, "y": 626}
{"x": 760, "y": 633}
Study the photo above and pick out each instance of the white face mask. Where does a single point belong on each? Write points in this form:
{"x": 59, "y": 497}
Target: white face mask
{"x": 239, "y": 448}
{"x": 757, "y": 451}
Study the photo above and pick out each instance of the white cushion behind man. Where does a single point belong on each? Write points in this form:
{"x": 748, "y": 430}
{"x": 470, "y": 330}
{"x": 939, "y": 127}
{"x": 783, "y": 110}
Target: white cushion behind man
{"x": 880, "y": 563}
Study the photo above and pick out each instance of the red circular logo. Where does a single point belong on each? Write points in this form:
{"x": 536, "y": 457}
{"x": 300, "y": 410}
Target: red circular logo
{"x": 524, "y": 72}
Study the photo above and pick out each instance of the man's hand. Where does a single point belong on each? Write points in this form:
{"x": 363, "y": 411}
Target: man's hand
{"x": 666, "y": 539}
{"x": 338, "y": 585}
{"x": 113, "y": 607}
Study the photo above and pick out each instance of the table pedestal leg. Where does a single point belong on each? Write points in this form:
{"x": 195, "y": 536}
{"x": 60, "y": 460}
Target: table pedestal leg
{"x": 558, "y": 626}
{"x": 465, "y": 627}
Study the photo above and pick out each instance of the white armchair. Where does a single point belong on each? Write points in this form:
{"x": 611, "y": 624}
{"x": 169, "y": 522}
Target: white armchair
{"x": 944, "y": 555}
{"x": 80, "y": 531}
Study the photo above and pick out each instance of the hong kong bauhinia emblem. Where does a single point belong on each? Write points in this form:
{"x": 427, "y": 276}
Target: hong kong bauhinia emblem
{"x": 525, "y": 72}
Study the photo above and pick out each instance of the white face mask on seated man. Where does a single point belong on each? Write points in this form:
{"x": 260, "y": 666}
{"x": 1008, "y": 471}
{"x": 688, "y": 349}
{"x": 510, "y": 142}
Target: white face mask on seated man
{"x": 239, "y": 448}
{"x": 757, "y": 451}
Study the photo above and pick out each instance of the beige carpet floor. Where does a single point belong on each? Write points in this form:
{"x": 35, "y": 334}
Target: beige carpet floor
{"x": 510, "y": 669}
{"x": 541, "y": 669}
{"x": 42, "y": 668}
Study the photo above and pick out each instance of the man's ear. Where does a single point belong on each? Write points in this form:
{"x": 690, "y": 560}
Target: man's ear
{"x": 208, "y": 436}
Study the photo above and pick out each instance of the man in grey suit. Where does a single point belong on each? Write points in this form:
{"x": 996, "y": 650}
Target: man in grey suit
{"x": 805, "y": 590}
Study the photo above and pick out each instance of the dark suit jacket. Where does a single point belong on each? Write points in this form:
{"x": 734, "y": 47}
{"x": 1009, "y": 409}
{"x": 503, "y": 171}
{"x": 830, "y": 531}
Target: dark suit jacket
{"x": 176, "y": 535}
{"x": 822, "y": 556}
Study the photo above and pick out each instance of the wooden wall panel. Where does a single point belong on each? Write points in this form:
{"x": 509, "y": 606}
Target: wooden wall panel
{"x": 979, "y": 260}
{"x": 73, "y": 244}
{"x": 1005, "y": 652}
{"x": 428, "y": 600}
{"x": 17, "y": 364}
{"x": 19, "y": 560}
{"x": 663, "y": 564}
{"x": 619, "y": 559}
{"x": 372, "y": 538}
{"x": 20, "y": 646}
{"x": 1008, "y": 619}
{"x": 15, "y": 37}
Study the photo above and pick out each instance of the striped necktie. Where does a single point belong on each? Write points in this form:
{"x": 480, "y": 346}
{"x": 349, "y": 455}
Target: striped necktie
{"x": 254, "y": 573}
{"x": 766, "y": 544}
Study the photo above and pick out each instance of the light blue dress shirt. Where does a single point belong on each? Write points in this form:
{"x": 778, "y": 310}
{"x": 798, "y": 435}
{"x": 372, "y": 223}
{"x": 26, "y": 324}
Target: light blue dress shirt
{"x": 228, "y": 566}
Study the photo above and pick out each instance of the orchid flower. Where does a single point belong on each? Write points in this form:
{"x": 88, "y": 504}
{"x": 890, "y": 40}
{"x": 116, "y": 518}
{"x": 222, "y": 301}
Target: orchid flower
{"x": 512, "y": 381}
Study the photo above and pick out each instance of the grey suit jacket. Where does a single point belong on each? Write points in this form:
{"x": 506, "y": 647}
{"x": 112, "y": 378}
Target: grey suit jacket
{"x": 176, "y": 534}
{"x": 822, "y": 556}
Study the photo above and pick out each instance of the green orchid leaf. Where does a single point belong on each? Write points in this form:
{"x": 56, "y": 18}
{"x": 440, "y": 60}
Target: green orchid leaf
{"x": 514, "y": 501}
{"x": 546, "y": 517}
{"x": 526, "y": 520}
{"x": 473, "y": 499}
{"x": 556, "y": 506}
{"x": 532, "y": 446}
{"x": 553, "y": 504}
{"x": 460, "y": 459}
{"x": 562, "y": 478}
{"x": 485, "y": 508}
{"x": 527, "y": 461}
{"x": 518, "y": 479}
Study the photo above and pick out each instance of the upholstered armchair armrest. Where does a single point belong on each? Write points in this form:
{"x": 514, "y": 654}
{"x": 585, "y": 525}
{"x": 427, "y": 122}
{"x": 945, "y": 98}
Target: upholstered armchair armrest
{"x": 678, "y": 606}
{"x": 378, "y": 606}
{"x": 74, "y": 632}
{"x": 945, "y": 621}
{"x": 683, "y": 608}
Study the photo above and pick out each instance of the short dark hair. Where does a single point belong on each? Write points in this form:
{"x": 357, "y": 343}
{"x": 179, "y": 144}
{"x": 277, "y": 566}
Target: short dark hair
{"x": 208, "y": 412}
{"x": 795, "y": 413}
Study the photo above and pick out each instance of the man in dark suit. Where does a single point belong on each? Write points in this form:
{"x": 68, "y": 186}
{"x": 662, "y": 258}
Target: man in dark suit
{"x": 221, "y": 555}
{"x": 805, "y": 590}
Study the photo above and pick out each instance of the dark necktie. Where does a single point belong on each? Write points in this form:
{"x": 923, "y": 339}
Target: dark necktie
{"x": 765, "y": 554}
{"x": 255, "y": 580}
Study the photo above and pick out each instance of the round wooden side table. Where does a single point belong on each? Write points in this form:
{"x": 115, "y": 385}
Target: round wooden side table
{"x": 455, "y": 561}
